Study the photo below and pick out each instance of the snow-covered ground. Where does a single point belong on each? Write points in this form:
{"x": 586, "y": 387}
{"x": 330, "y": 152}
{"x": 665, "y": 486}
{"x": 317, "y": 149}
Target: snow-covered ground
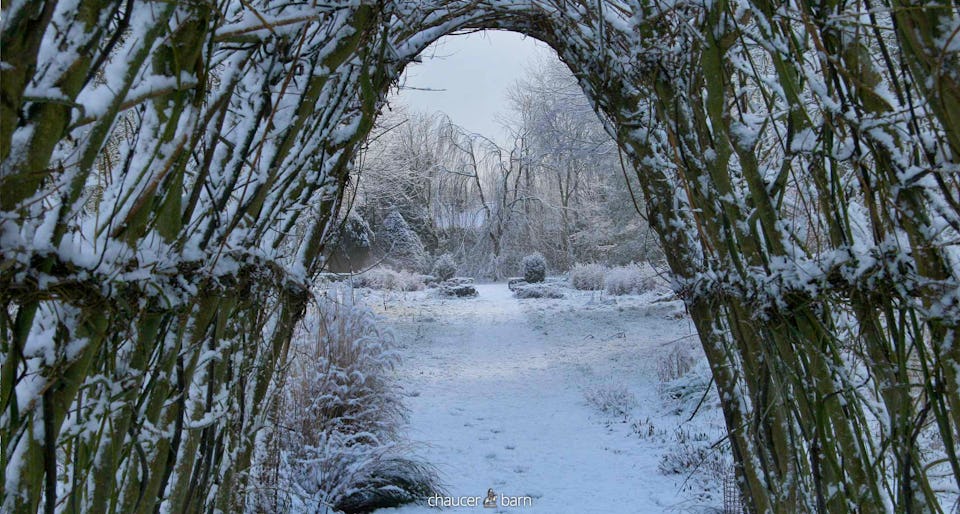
{"x": 498, "y": 394}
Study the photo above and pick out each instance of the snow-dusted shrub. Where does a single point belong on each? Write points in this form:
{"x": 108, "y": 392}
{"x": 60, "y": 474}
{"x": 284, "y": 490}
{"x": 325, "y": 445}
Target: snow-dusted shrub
{"x": 686, "y": 392}
{"x": 705, "y": 466}
{"x": 356, "y": 230}
{"x": 409, "y": 281}
{"x": 388, "y": 279}
{"x": 537, "y": 291}
{"x": 646, "y": 429}
{"x": 338, "y": 417}
{"x": 534, "y": 268}
{"x": 693, "y": 454}
{"x": 587, "y": 277}
{"x": 351, "y": 244}
{"x": 612, "y": 399}
{"x": 376, "y": 278}
{"x": 623, "y": 280}
{"x": 353, "y": 475}
{"x": 454, "y": 289}
{"x": 515, "y": 282}
{"x": 675, "y": 364}
{"x": 630, "y": 279}
{"x": 401, "y": 244}
{"x": 686, "y": 458}
{"x": 445, "y": 267}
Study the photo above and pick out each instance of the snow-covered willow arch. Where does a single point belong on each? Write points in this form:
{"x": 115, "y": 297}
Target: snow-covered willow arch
{"x": 170, "y": 171}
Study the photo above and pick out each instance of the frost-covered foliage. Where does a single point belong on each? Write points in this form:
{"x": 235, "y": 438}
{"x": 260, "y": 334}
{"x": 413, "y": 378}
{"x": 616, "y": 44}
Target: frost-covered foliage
{"x": 409, "y": 281}
{"x": 351, "y": 245}
{"x": 445, "y": 267}
{"x": 458, "y": 290}
{"x": 336, "y": 440}
{"x": 515, "y": 282}
{"x": 619, "y": 280}
{"x": 540, "y": 290}
{"x": 388, "y": 279}
{"x": 612, "y": 399}
{"x": 400, "y": 244}
{"x": 688, "y": 456}
{"x": 402, "y": 170}
{"x": 689, "y": 391}
{"x": 705, "y": 467}
{"x": 357, "y": 231}
{"x": 587, "y": 277}
{"x": 705, "y": 464}
{"x": 489, "y": 204}
{"x": 170, "y": 173}
{"x": 630, "y": 279}
{"x": 534, "y": 268}
{"x": 675, "y": 364}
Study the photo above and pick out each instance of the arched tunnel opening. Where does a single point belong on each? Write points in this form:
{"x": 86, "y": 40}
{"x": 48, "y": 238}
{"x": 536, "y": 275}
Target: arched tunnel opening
{"x": 467, "y": 175}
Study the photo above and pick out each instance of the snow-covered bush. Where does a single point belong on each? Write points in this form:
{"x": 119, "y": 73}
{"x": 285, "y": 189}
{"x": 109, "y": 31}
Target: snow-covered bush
{"x": 376, "y": 278}
{"x": 706, "y": 467}
{"x": 445, "y": 267}
{"x": 400, "y": 244}
{"x": 350, "y": 244}
{"x": 646, "y": 429}
{"x": 534, "y": 268}
{"x": 587, "y": 277}
{"x": 623, "y": 280}
{"x": 338, "y": 417}
{"x": 454, "y": 289}
{"x": 388, "y": 279}
{"x": 675, "y": 364}
{"x": 409, "y": 281}
{"x": 630, "y": 279}
{"x": 686, "y": 458}
{"x": 612, "y": 399}
{"x": 685, "y": 393}
{"x": 537, "y": 291}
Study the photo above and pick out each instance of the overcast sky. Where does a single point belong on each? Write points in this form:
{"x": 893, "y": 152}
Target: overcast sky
{"x": 468, "y": 77}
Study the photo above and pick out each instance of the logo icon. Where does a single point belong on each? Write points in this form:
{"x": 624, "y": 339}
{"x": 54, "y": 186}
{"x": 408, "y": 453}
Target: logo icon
{"x": 490, "y": 501}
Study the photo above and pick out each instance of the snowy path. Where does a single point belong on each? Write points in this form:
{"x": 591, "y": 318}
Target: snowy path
{"x": 495, "y": 387}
